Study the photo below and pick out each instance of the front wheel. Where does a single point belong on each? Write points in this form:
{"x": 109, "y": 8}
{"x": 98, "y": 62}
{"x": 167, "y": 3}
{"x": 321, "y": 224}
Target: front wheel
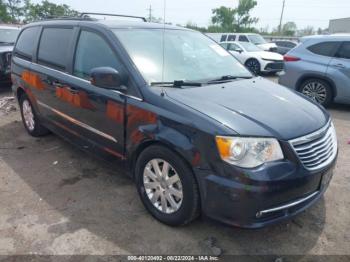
{"x": 253, "y": 65}
{"x": 167, "y": 186}
{"x": 318, "y": 90}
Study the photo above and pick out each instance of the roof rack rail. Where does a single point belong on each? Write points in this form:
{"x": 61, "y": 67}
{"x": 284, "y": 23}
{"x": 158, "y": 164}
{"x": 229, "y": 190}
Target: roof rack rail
{"x": 86, "y": 15}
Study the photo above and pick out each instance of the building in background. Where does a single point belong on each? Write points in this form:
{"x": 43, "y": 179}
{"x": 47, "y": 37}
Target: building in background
{"x": 341, "y": 25}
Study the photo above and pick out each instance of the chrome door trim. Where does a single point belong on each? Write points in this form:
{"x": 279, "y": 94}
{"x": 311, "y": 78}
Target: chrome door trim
{"x": 77, "y": 122}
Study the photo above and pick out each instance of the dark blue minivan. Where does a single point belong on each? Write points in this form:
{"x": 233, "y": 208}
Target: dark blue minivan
{"x": 199, "y": 133}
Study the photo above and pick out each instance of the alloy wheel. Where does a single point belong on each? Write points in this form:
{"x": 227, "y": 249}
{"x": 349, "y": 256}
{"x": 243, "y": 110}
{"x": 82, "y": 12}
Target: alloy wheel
{"x": 163, "y": 186}
{"x": 28, "y": 115}
{"x": 316, "y": 91}
{"x": 253, "y": 66}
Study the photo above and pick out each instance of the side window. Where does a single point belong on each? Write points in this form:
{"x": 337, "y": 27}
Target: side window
{"x": 290, "y": 45}
{"x": 325, "y": 48}
{"x": 224, "y": 45}
{"x": 243, "y": 38}
{"x": 93, "y": 51}
{"x": 344, "y": 51}
{"x": 234, "y": 47}
{"x": 231, "y": 38}
{"x": 53, "y": 47}
{"x": 26, "y": 43}
{"x": 223, "y": 38}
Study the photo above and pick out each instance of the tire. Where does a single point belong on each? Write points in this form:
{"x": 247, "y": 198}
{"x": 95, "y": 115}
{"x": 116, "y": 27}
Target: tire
{"x": 30, "y": 118}
{"x": 317, "y": 90}
{"x": 253, "y": 66}
{"x": 183, "y": 211}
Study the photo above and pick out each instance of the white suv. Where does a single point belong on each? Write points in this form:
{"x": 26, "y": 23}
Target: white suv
{"x": 255, "y": 39}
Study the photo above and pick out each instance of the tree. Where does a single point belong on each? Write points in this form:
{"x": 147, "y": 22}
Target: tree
{"x": 289, "y": 29}
{"x": 234, "y": 19}
{"x": 194, "y": 26}
{"x": 243, "y": 18}
{"x": 309, "y": 30}
{"x": 224, "y": 18}
{"x": 14, "y": 9}
{"x": 46, "y": 9}
{"x": 4, "y": 15}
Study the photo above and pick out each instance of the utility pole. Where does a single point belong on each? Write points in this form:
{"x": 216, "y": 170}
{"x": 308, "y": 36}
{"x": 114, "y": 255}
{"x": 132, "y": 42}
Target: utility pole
{"x": 280, "y": 26}
{"x": 150, "y": 13}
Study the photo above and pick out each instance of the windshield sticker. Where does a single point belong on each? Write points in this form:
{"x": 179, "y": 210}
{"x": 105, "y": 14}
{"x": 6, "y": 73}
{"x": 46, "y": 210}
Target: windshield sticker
{"x": 219, "y": 50}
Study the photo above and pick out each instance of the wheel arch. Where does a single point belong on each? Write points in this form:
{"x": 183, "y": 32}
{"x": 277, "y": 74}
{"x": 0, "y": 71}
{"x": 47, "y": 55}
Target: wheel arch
{"x": 146, "y": 144}
{"x": 317, "y": 76}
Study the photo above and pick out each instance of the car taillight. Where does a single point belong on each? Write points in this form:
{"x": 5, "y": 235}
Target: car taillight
{"x": 289, "y": 58}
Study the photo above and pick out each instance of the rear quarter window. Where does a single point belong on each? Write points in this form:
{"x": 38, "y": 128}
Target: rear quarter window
{"x": 324, "y": 49}
{"x": 27, "y": 42}
{"x": 53, "y": 47}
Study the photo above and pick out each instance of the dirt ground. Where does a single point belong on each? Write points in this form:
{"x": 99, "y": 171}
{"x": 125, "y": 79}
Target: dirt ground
{"x": 55, "y": 199}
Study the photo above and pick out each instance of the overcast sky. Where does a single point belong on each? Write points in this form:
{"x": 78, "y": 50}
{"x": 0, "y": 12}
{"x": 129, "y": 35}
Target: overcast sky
{"x": 304, "y": 12}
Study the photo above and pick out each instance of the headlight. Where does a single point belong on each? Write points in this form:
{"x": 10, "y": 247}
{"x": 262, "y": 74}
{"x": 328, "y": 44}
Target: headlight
{"x": 248, "y": 152}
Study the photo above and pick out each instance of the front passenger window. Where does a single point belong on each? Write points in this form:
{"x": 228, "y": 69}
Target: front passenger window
{"x": 93, "y": 51}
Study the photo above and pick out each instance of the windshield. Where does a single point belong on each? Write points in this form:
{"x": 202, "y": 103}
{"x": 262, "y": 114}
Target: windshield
{"x": 8, "y": 35}
{"x": 249, "y": 47}
{"x": 257, "y": 39}
{"x": 188, "y": 55}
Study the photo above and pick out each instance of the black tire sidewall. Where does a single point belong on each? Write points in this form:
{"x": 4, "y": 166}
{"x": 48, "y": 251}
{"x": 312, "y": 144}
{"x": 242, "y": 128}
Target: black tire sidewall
{"x": 329, "y": 92}
{"x": 190, "y": 205}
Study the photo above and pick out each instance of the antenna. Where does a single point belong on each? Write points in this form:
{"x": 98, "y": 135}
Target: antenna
{"x": 150, "y": 13}
{"x": 163, "y": 40}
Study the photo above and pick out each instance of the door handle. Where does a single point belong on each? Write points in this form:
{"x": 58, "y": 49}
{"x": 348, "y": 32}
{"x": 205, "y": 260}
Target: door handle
{"x": 57, "y": 84}
{"x": 339, "y": 65}
{"x": 72, "y": 90}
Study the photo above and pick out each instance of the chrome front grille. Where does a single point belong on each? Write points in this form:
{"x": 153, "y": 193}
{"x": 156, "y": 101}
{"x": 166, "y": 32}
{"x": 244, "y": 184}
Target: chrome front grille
{"x": 318, "y": 149}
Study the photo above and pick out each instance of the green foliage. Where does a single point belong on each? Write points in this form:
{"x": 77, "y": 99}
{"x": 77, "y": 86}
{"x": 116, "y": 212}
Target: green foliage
{"x": 195, "y": 27}
{"x": 4, "y": 15}
{"x": 15, "y": 11}
{"x": 46, "y": 10}
{"x": 289, "y": 29}
{"x": 234, "y": 19}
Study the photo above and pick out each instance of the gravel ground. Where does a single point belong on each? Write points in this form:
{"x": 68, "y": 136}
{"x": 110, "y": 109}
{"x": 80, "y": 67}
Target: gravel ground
{"x": 55, "y": 199}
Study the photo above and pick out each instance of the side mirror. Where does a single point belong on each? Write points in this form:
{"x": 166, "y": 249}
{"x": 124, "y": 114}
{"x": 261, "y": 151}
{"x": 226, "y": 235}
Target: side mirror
{"x": 108, "y": 78}
{"x": 239, "y": 50}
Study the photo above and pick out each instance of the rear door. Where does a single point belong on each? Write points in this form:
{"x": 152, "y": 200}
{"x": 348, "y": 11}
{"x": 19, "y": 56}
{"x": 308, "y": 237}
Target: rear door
{"x": 319, "y": 56}
{"x": 339, "y": 72}
{"x": 94, "y": 113}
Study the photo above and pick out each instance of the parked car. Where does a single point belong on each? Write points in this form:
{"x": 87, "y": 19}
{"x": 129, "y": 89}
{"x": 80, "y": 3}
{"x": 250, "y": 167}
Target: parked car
{"x": 199, "y": 133}
{"x": 255, "y": 59}
{"x": 284, "y": 46}
{"x": 255, "y": 39}
{"x": 320, "y": 69}
{"x": 8, "y": 37}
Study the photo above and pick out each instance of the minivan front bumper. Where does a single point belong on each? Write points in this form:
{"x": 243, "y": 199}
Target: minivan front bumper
{"x": 247, "y": 201}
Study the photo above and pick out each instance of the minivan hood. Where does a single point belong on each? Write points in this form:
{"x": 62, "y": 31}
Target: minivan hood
{"x": 254, "y": 107}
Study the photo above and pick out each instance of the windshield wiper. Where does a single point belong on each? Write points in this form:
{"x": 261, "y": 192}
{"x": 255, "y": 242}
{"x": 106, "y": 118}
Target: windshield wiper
{"x": 227, "y": 78}
{"x": 7, "y": 43}
{"x": 176, "y": 83}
